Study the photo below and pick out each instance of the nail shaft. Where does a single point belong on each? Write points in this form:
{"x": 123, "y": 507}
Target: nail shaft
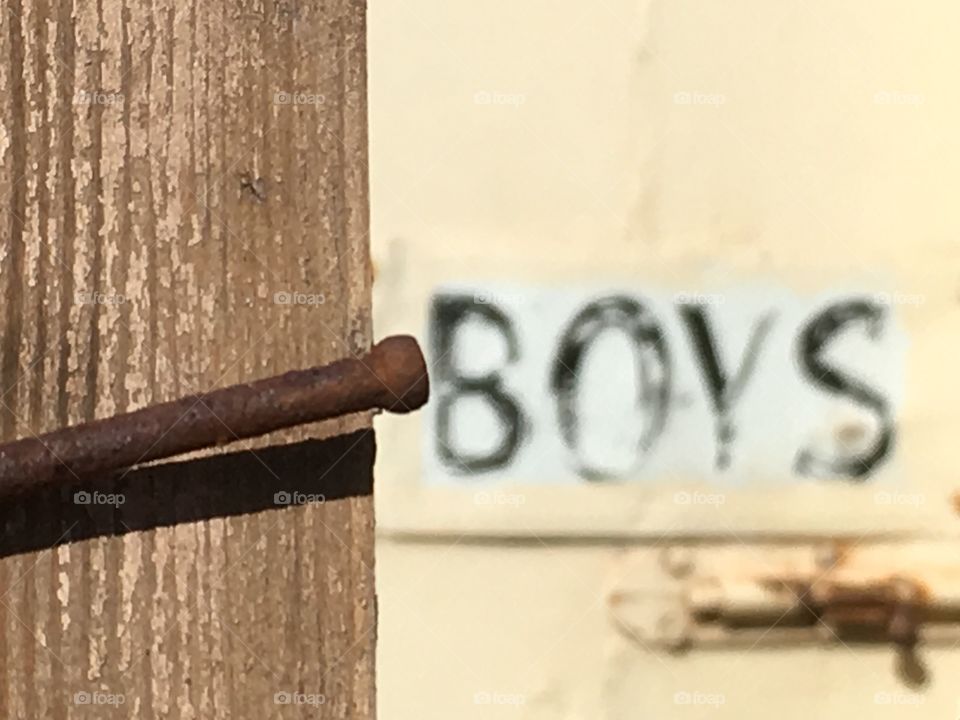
{"x": 392, "y": 377}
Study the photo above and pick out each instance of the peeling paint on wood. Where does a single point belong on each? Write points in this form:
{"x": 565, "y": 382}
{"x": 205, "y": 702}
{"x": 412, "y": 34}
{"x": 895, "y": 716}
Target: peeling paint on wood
{"x": 134, "y": 268}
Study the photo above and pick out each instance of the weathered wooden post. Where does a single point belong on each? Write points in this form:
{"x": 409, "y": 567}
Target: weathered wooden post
{"x": 185, "y": 206}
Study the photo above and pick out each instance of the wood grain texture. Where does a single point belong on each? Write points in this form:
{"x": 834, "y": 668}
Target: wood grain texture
{"x": 167, "y": 169}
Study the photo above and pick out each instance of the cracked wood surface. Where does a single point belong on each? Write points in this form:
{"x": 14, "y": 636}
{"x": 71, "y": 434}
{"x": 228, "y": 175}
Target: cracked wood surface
{"x": 185, "y": 192}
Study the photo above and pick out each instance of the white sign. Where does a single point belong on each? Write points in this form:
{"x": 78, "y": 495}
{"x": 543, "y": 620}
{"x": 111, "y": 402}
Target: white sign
{"x": 536, "y": 385}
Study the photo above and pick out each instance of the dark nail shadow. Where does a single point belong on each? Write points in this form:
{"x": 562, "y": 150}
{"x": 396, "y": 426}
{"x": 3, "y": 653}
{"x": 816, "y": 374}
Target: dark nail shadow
{"x": 235, "y": 483}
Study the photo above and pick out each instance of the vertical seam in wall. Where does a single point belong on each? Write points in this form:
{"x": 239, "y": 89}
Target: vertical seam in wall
{"x": 13, "y": 296}
{"x": 89, "y": 401}
{"x": 66, "y": 50}
{"x": 125, "y": 220}
{"x": 44, "y": 181}
{"x": 342, "y": 238}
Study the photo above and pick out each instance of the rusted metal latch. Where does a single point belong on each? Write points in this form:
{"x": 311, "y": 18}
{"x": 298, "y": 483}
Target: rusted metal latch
{"x": 887, "y": 609}
{"x": 750, "y": 596}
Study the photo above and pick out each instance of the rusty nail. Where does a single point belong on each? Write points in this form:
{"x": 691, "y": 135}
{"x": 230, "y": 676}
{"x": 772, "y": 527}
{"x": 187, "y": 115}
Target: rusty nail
{"x": 392, "y": 377}
{"x": 673, "y": 629}
{"x": 677, "y": 560}
{"x": 905, "y": 621}
{"x": 955, "y": 499}
{"x": 827, "y": 556}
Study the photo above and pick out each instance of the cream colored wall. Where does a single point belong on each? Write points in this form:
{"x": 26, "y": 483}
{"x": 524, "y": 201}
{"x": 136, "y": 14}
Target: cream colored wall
{"x": 829, "y": 161}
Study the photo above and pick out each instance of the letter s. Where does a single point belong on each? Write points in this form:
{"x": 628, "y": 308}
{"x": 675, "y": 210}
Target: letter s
{"x": 812, "y": 344}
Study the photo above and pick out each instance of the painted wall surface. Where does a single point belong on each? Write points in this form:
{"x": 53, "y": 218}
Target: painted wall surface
{"x": 732, "y": 160}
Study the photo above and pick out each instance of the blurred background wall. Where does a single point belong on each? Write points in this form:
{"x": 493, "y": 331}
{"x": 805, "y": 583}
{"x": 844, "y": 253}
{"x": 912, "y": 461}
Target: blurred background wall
{"x": 763, "y": 158}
